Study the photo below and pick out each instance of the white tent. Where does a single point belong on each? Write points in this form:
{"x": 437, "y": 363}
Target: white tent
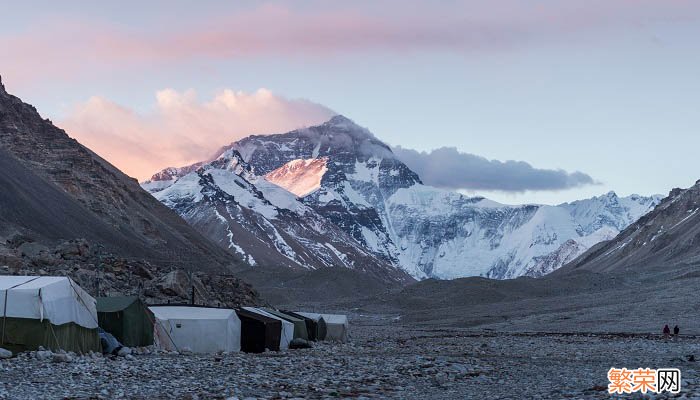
{"x": 337, "y": 325}
{"x": 287, "y": 333}
{"x": 199, "y": 329}
{"x": 56, "y": 298}
{"x": 27, "y": 303}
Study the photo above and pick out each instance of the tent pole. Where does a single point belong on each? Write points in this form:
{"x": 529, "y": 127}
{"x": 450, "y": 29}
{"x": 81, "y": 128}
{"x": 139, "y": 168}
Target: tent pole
{"x": 4, "y": 312}
{"x": 53, "y": 333}
{"x": 4, "y": 318}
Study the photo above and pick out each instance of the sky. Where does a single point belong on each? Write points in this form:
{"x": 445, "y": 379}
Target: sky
{"x": 523, "y": 101}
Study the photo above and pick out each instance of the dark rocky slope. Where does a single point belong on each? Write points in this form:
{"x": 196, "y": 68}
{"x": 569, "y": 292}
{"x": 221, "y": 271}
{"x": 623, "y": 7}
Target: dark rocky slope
{"x": 666, "y": 240}
{"x": 55, "y": 190}
{"x": 118, "y": 213}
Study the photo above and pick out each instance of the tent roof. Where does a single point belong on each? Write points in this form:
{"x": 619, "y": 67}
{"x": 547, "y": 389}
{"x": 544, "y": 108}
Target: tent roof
{"x": 267, "y": 314}
{"x": 113, "y": 304}
{"x": 242, "y": 312}
{"x": 29, "y": 282}
{"x": 283, "y": 315}
{"x": 185, "y": 312}
{"x": 329, "y": 318}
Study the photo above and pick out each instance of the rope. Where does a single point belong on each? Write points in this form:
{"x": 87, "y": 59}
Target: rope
{"x": 70, "y": 281}
{"x": 154, "y": 328}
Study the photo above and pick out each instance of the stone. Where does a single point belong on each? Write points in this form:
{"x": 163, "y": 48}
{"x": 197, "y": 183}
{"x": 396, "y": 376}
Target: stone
{"x": 124, "y": 351}
{"x": 4, "y": 353}
{"x": 43, "y": 354}
{"x": 175, "y": 283}
{"x": 62, "y": 358}
{"x": 31, "y": 249}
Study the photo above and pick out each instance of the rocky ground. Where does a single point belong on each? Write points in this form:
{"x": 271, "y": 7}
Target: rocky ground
{"x": 383, "y": 360}
{"x": 98, "y": 271}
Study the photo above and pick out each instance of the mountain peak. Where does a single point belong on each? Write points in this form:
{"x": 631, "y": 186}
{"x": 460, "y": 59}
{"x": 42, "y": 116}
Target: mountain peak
{"x": 345, "y": 124}
{"x": 340, "y": 120}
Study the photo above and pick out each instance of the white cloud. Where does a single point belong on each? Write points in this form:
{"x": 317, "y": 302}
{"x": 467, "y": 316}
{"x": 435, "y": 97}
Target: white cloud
{"x": 449, "y": 168}
{"x": 182, "y": 129}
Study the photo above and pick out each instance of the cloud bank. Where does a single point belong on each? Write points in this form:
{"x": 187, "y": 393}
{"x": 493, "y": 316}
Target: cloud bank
{"x": 80, "y": 43}
{"x": 448, "y": 168}
{"x": 181, "y": 129}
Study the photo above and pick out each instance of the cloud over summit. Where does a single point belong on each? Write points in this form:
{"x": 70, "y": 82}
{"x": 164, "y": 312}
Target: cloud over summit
{"x": 181, "y": 129}
{"x": 449, "y": 168}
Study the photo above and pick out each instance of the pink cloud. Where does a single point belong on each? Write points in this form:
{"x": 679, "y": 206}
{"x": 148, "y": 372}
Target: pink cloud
{"x": 182, "y": 129}
{"x": 70, "y": 47}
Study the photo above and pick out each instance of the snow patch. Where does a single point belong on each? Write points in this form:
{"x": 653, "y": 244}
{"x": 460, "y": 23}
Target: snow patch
{"x": 301, "y": 176}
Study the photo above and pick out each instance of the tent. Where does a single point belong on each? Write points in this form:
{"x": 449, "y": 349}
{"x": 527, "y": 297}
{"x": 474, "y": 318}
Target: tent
{"x": 259, "y": 332}
{"x": 287, "y": 328}
{"x": 127, "y": 318}
{"x": 316, "y": 327}
{"x": 299, "y": 323}
{"x": 49, "y": 311}
{"x": 336, "y": 325}
{"x": 198, "y": 329}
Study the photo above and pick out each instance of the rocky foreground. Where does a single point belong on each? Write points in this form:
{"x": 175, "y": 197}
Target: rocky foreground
{"x": 382, "y": 360}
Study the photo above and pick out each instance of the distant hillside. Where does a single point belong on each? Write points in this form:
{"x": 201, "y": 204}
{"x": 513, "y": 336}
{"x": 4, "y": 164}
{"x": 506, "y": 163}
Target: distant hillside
{"x": 664, "y": 239}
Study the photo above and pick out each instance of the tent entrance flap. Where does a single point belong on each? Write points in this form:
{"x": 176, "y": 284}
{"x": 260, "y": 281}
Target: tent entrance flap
{"x": 127, "y": 318}
{"x": 259, "y": 332}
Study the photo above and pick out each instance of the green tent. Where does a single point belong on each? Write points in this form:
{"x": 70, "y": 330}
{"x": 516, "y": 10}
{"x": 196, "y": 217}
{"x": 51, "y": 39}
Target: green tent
{"x": 49, "y": 311}
{"x": 299, "y": 324}
{"x": 127, "y": 318}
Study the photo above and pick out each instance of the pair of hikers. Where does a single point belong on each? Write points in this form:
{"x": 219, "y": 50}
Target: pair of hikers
{"x": 667, "y": 331}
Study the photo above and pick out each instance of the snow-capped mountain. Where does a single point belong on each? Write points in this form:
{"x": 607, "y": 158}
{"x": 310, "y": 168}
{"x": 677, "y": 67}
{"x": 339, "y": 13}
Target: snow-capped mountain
{"x": 260, "y": 221}
{"x": 352, "y": 180}
{"x": 447, "y": 235}
{"x": 431, "y": 232}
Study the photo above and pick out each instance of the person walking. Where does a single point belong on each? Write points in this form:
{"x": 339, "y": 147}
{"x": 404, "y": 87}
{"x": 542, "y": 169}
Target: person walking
{"x": 676, "y": 330}
{"x": 667, "y": 331}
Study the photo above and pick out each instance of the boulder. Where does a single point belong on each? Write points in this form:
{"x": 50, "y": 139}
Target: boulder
{"x": 62, "y": 357}
{"x": 124, "y": 351}
{"x": 5, "y": 353}
{"x": 73, "y": 249}
{"x": 175, "y": 283}
{"x": 32, "y": 250}
{"x": 43, "y": 354}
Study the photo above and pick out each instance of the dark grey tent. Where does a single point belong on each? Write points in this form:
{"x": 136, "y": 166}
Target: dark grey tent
{"x": 259, "y": 332}
{"x": 316, "y": 328}
{"x": 127, "y": 318}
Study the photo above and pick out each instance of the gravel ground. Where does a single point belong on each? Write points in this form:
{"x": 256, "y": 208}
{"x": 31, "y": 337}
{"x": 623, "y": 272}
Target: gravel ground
{"x": 382, "y": 360}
